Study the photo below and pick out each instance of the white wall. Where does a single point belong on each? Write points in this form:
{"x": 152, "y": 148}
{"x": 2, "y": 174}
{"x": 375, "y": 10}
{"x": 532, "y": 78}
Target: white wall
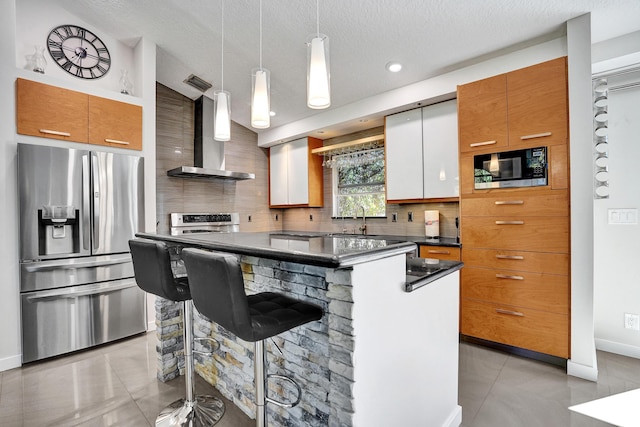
{"x": 617, "y": 246}
{"x": 24, "y": 23}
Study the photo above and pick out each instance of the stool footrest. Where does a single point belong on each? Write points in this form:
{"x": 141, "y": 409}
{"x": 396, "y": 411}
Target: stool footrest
{"x": 285, "y": 404}
{"x": 215, "y": 345}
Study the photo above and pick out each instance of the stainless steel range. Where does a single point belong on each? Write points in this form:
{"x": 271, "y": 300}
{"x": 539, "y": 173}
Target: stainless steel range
{"x": 187, "y": 223}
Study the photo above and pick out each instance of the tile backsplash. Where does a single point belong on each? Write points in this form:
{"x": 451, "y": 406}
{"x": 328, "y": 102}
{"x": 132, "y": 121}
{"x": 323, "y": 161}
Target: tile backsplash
{"x": 174, "y": 139}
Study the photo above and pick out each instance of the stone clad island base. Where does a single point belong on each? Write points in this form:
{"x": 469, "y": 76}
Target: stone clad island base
{"x": 380, "y": 356}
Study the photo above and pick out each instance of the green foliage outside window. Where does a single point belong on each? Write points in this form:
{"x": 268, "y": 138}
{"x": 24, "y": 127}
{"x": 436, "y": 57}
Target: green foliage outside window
{"x": 360, "y": 184}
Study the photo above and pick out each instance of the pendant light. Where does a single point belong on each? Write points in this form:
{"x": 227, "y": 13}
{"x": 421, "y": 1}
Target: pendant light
{"x": 318, "y": 76}
{"x": 260, "y": 98}
{"x": 222, "y": 98}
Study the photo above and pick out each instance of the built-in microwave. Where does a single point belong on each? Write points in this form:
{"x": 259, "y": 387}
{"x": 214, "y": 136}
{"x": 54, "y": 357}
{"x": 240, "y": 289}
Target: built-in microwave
{"x": 507, "y": 169}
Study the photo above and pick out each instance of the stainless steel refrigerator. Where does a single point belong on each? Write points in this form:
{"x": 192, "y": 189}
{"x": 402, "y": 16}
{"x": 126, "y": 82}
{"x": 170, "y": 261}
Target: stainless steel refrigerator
{"x": 78, "y": 209}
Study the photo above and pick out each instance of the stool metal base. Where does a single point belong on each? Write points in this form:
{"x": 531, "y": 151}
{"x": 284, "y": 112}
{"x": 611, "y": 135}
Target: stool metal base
{"x": 204, "y": 412}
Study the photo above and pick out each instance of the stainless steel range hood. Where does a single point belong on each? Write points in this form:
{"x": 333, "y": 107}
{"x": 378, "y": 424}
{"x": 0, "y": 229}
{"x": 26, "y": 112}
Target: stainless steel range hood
{"x": 208, "y": 154}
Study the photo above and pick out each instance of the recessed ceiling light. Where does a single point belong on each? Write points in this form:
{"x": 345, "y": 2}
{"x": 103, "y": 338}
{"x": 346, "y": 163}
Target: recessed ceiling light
{"x": 272, "y": 113}
{"x": 320, "y": 131}
{"x": 394, "y": 67}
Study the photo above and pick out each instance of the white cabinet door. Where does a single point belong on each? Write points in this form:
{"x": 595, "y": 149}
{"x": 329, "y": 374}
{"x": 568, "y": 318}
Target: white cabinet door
{"x": 278, "y": 172}
{"x": 403, "y": 145}
{"x": 298, "y": 172}
{"x": 440, "y": 150}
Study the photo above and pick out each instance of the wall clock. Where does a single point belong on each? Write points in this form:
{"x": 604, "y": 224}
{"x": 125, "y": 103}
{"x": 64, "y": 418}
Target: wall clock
{"x": 79, "y": 52}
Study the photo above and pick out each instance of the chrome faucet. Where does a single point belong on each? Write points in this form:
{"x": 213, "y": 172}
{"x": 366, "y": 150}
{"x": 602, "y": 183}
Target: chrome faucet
{"x": 363, "y": 227}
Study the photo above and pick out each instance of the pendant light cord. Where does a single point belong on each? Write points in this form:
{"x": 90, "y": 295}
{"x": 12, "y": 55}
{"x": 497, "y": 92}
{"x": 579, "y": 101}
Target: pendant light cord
{"x": 260, "y": 35}
{"x": 222, "y": 47}
{"x": 318, "y": 17}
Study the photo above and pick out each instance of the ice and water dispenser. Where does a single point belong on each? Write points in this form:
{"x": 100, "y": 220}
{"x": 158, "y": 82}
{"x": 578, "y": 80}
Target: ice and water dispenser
{"x": 58, "y": 230}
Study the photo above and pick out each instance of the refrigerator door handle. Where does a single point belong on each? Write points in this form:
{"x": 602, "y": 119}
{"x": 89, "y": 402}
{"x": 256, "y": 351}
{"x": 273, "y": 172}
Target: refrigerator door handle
{"x": 73, "y": 292}
{"x": 95, "y": 182}
{"x": 86, "y": 189}
{"x": 74, "y": 264}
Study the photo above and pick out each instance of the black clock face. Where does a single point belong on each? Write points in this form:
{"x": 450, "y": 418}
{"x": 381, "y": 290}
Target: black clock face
{"x": 79, "y": 52}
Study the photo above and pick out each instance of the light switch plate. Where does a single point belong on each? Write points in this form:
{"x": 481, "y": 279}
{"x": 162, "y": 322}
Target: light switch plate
{"x": 628, "y": 216}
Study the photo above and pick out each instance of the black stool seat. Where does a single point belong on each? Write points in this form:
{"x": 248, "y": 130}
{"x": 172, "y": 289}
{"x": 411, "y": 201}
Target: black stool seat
{"x": 217, "y": 288}
{"x": 153, "y": 273}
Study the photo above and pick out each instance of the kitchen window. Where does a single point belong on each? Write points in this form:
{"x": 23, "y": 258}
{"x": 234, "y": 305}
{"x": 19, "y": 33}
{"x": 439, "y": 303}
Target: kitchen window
{"x": 358, "y": 182}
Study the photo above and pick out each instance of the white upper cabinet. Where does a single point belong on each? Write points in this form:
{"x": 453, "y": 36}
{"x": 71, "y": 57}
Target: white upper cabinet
{"x": 295, "y": 174}
{"x": 440, "y": 150}
{"x": 422, "y": 153}
{"x": 403, "y": 153}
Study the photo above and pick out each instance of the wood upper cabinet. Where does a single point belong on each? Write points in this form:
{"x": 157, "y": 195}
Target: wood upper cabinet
{"x": 537, "y": 104}
{"x": 115, "y": 123}
{"x": 482, "y": 114}
{"x": 523, "y": 108}
{"x": 295, "y": 174}
{"x": 51, "y": 112}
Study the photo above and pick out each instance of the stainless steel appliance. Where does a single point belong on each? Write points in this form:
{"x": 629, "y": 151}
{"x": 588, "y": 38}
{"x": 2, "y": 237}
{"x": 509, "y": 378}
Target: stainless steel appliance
{"x": 186, "y": 223}
{"x": 507, "y": 169}
{"x": 78, "y": 209}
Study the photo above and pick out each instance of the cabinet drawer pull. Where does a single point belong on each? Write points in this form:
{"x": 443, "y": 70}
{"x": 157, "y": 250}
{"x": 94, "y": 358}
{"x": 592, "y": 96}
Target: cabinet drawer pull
{"x": 54, "y": 132}
{"x": 509, "y": 222}
{"x": 436, "y": 251}
{"x": 509, "y": 312}
{"x": 504, "y": 276}
{"x": 516, "y": 257}
{"x": 535, "y": 135}
{"x": 480, "y": 144}
{"x": 509, "y": 202}
{"x": 115, "y": 141}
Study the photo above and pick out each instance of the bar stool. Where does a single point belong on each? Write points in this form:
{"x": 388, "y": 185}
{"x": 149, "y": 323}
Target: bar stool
{"x": 217, "y": 288}
{"x": 152, "y": 269}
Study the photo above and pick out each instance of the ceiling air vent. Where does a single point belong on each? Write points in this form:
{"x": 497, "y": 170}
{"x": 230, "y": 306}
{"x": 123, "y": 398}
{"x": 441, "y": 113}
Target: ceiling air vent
{"x": 198, "y": 83}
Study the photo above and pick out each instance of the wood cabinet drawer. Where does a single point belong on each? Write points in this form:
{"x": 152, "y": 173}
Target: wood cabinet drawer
{"x": 555, "y": 203}
{"x": 440, "y": 252}
{"x": 535, "y": 262}
{"x": 535, "y": 330}
{"x": 538, "y": 234}
{"x": 545, "y": 292}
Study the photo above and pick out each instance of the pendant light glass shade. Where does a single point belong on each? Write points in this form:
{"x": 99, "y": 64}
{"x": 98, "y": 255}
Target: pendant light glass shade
{"x": 260, "y": 103}
{"x": 222, "y": 115}
{"x": 318, "y": 75}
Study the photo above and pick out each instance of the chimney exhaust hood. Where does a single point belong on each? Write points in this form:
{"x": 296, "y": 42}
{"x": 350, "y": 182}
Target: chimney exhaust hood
{"x": 208, "y": 154}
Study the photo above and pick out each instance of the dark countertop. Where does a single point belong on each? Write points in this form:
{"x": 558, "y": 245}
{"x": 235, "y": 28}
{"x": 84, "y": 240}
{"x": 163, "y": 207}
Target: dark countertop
{"x": 418, "y": 240}
{"x": 422, "y": 271}
{"x": 320, "y": 249}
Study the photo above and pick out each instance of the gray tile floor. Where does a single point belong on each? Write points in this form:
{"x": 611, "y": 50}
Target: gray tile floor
{"x": 115, "y": 385}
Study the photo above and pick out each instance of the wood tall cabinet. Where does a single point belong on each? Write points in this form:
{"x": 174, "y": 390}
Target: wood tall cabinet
{"x": 51, "y": 112}
{"x": 295, "y": 174}
{"x": 515, "y": 285}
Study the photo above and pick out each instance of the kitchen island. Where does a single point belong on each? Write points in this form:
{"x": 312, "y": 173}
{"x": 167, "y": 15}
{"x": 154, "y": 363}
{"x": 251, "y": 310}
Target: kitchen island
{"x": 383, "y": 353}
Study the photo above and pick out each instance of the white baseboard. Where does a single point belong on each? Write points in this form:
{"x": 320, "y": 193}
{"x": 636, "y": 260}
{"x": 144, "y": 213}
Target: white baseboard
{"x": 151, "y": 326}
{"x": 589, "y": 373}
{"x": 10, "y": 362}
{"x": 455, "y": 419}
{"x": 618, "y": 348}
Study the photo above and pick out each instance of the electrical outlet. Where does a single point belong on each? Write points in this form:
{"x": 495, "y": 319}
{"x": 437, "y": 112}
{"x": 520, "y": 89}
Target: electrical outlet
{"x": 276, "y": 217}
{"x": 310, "y": 217}
{"x": 410, "y": 216}
{"x": 632, "y": 321}
{"x": 394, "y": 217}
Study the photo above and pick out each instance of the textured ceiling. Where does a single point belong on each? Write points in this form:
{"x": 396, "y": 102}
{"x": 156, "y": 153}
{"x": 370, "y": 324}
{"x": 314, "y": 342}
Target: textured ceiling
{"x": 428, "y": 36}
